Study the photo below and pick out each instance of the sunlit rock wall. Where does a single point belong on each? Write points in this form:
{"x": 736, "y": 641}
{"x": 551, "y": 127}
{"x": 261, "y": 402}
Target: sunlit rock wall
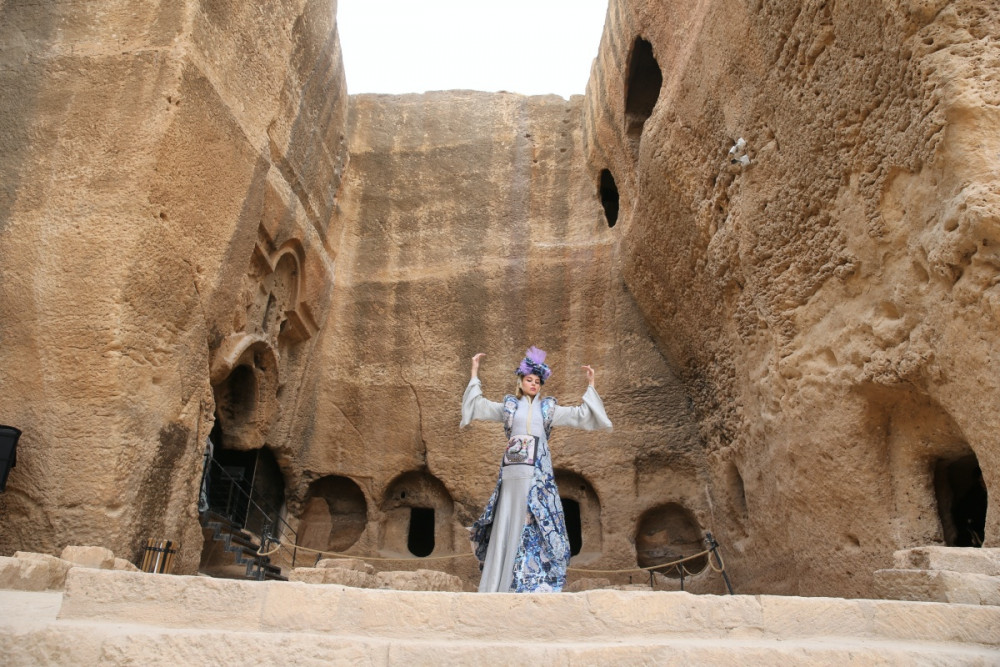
{"x": 472, "y": 225}
{"x": 169, "y": 174}
{"x": 832, "y": 306}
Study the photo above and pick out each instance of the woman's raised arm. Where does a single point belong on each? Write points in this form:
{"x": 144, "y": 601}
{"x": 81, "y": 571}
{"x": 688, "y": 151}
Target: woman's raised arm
{"x": 589, "y": 415}
{"x": 474, "y": 406}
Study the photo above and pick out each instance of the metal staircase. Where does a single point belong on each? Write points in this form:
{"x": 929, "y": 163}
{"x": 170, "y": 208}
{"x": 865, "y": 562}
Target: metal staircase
{"x": 241, "y": 532}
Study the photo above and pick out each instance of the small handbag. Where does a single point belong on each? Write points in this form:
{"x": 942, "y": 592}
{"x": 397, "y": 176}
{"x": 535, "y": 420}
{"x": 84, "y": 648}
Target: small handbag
{"x": 521, "y": 450}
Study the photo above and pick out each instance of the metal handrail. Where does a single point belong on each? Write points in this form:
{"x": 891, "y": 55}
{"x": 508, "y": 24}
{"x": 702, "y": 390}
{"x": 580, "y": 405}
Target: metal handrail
{"x": 275, "y": 530}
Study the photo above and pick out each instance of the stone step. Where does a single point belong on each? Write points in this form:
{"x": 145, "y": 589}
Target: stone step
{"x": 955, "y": 559}
{"x": 937, "y": 586}
{"x": 602, "y": 615}
{"x": 118, "y": 618}
{"x": 74, "y": 643}
{"x": 942, "y": 574}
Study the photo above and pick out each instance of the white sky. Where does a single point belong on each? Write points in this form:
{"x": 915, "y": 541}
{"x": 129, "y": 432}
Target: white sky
{"x": 531, "y": 47}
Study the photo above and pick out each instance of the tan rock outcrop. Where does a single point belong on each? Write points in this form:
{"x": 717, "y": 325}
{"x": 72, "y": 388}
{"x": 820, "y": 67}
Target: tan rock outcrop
{"x": 28, "y": 571}
{"x": 333, "y": 575}
{"x": 169, "y": 177}
{"x": 809, "y": 224}
{"x": 420, "y": 580}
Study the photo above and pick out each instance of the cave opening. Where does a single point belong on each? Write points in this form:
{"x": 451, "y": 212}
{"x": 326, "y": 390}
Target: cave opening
{"x": 571, "y": 511}
{"x": 668, "y": 533}
{"x": 609, "y": 197}
{"x": 642, "y": 87}
{"x": 420, "y": 539}
{"x": 237, "y": 397}
{"x": 335, "y": 514}
{"x": 962, "y": 500}
{"x": 246, "y": 486}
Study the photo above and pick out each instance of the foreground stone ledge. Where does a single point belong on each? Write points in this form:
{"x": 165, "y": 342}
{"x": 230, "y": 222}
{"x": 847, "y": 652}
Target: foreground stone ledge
{"x": 182, "y": 601}
{"x": 36, "y": 636}
{"x": 162, "y": 599}
{"x": 358, "y": 574}
{"x": 127, "y": 646}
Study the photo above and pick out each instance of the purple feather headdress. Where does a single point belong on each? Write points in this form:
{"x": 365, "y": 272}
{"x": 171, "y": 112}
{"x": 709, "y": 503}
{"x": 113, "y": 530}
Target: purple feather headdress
{"x": 534, "y": 364}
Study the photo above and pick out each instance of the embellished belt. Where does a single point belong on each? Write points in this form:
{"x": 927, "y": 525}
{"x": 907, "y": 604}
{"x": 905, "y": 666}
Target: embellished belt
{"x": 522, "y": 450}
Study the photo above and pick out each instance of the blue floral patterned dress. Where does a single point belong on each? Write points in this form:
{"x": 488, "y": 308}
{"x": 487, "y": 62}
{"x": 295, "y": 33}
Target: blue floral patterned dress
{"x": 542, "y": 551}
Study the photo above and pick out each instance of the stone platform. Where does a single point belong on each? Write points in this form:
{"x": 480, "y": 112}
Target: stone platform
{"x": 116, "y": 618}
{"x": 942, "y": 574}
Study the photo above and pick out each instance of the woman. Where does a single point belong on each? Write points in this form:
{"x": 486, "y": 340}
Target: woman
{"x": 520, "y": 540}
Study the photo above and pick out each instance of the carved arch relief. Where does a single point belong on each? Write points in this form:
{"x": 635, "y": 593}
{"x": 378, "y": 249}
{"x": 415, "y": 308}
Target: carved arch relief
{"x": 277, "y": 310}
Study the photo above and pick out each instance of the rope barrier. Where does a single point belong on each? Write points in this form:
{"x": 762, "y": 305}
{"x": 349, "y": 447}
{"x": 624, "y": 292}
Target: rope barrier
{"x": 648, "y": 568}
{"x": 337, "y": 554}
{"x": 722, "y": 563}
{"x": 679, "y": 564}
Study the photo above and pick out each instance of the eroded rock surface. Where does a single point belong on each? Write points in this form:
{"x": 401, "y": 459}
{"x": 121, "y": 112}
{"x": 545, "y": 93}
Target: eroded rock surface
{"x": 830, "y": 302}
{"x": 169, "y": 173}
{"x": 475, "y": 227}
{"x": 771, "y": 226}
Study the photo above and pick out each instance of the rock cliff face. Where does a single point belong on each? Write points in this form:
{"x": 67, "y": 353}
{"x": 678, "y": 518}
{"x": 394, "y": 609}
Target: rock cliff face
{"x": 169, "y": 173}
{"x": 771, "y": 226}
{"x": 831, "y": 301}
{"x": 475, "y": 227}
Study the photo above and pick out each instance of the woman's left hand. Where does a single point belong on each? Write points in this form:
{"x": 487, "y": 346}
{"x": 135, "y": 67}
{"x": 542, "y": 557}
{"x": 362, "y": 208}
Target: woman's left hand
{"x": 590, "y": 375}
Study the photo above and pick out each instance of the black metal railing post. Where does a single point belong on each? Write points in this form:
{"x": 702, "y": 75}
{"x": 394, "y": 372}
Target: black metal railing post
{"x": 713, "y": 547}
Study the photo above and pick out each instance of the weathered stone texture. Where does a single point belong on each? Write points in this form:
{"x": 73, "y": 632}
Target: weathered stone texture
{"x": 474, "y": 226}
{"x": 791, "y": 296}
{"x": 152, "y": 164}
{"x": 832, "y": 307}
{"x": 120, "y": 618}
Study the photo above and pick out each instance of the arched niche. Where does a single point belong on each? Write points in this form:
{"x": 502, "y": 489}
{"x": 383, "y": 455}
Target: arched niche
{"x": 938, "y": 494}
{"x": 245, "y": 384}
{"x": 334, "y": 514}
{"x": 277, "y": 310}
{"x": 417, "y": 511}
{"x": 642, "y": 87}
{"x": 582, "y": 509}
{"x": 667, "y": 533}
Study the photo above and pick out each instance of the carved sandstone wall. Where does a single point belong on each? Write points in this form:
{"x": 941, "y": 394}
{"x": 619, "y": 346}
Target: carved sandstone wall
{"x": 797, "y": 348}
{"x": 169, "y": 176}
{"x": 832, "y": 307}
{"x": 471, "y": 224}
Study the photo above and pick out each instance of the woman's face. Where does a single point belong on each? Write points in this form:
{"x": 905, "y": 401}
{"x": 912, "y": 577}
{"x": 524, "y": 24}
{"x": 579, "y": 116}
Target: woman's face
{"x": 531, "y": 385}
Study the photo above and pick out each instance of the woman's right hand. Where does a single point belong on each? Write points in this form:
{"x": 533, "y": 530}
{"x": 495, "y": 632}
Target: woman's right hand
{"x": 475, "y": 364}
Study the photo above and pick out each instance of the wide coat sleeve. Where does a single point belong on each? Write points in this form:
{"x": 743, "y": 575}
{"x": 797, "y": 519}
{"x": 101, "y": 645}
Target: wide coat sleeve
{"x": 589, "y": 415}
{"x": 474, "y": 406}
